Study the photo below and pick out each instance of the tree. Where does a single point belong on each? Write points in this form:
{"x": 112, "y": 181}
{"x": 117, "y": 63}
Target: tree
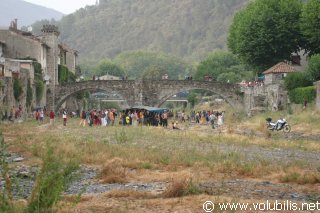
{"x": 221, "y": 63}
{"x": 310, "y": 26}
{"x": 153, "y": 72}
{"x": 266, "y": 32}
{"x": 106, "y": 66}
{"x": 229, "y": 77}
{"x": 136, "y": 62}
{"x": 215, "y": 64}
{"x": 192, "y": 99}
{"x": 313, "y": 68}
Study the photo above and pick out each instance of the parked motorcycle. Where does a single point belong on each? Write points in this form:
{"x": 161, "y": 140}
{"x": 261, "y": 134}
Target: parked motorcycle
{"x": 281, "y": 124}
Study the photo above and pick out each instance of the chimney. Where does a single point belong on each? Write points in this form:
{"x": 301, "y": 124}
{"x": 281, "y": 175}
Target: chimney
{"x": 14, "y": 25}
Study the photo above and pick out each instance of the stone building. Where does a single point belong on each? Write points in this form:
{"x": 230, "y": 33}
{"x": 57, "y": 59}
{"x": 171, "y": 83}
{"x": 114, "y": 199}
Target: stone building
{"x": 271, "y": 95}
{"x": 277, "y": 73}
{"x": 46, "y": 49}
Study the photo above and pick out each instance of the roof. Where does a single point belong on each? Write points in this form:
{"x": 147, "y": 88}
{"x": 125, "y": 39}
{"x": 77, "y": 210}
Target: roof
{"x": 280, "y": 68}
{"x": 150, "y": 109}
{"x": 67, "y": 48}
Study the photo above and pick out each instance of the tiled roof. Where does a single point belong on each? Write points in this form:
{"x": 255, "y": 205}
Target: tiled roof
{"x": 280, "y": 68}
{"x": 67, "y": 48}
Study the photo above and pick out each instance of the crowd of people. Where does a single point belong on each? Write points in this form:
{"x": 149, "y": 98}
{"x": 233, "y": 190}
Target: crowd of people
{"x": 133, "y": 117}
{"x": 14, "y": 113}
{"x": 251, "y": 83}
{"x": 215, "y": 118}
{"x": 129, "y": 117}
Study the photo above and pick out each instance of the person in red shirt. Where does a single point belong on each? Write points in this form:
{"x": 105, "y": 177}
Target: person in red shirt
{"x": 38, "y": 115}
{"x": 51, "y": 115}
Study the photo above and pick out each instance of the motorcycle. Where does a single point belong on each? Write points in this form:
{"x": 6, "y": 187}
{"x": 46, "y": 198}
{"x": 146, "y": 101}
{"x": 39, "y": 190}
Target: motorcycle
{"x": 281, "y": 124}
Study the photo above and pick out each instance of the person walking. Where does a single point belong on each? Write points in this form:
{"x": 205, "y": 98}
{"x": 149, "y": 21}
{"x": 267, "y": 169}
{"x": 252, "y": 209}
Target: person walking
{"x": 64, "y": 116}
{"x": 83, "y": 118}
{"x": 52, "y": 115}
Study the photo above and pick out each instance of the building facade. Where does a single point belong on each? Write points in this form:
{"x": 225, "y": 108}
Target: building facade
{"x": 271, "y": 94}
{"x": 18, "y": 49}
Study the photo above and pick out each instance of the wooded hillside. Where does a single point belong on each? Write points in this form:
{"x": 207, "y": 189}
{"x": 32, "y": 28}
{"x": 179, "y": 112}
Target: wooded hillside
{"x": 186, "y": 28}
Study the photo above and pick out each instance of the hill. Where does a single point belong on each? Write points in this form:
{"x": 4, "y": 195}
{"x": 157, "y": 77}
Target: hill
{"x": 189, "y": 28}
{"x": 26, "y": 13}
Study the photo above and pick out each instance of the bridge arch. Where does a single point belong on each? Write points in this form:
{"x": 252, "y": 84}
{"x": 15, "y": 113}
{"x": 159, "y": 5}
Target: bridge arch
{"x": 229, "y": 92}
{"x": 63, "y": 92}
{"x": 229, "y": 100}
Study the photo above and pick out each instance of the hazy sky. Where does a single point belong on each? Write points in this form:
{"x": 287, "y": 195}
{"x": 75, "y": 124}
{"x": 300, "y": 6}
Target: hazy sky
{"x": 64, "y": 6}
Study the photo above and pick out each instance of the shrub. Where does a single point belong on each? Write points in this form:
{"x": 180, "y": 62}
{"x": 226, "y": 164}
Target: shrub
{"x": 37, "y": 68}
{"x": 182, "y": 187}
{"x": 121, "y": 137}
{"x": 114, "y": 172}
{"x": 54, "y": 177}
{"x": 64, "y": 75}
{"x": 17, "y": 88}
{"x": 299, "y": 94}
{"x": 310, "y": 177}
{"x": 39, "y": 89}
{"x": 298, "y": 79}
{"x": 5, "y": 194}
{"x": 29, "y": 94}
{"x": 192, "y": 99}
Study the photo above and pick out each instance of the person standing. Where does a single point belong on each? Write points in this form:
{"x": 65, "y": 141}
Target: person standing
{"x": 165, "y": 119}
{"x": 305, "y": 102}
{"x": 38, "y": 116}
{"x": 112, "y": 117}
{"x": 41, "y": 116}
{"x": 83, "y": 118}
{"x": 64, "y": 116}
{"x": 51, "y": 115}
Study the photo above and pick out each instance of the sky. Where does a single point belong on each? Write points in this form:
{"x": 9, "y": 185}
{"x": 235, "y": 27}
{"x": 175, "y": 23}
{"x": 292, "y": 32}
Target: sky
{"x": 64, "y": 6}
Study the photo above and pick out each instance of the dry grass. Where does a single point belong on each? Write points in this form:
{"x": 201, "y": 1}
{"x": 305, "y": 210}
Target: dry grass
{"x": 114, "y": 172}
{"x": 148, "y": 148}
{"x": 130, "y": 194}
{"x": 300, "y": 177}
{"x": 156, "y": 154}
{"x": 182, "y": 186}
{"x": 188, "y": 204}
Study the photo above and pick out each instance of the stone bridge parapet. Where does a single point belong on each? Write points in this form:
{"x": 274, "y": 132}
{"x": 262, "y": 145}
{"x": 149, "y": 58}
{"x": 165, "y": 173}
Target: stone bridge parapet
{"x": 148, "y": 92}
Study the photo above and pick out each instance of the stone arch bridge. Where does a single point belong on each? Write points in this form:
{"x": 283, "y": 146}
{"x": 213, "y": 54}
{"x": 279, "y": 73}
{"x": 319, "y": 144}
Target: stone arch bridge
{"x": 147, "y": 92}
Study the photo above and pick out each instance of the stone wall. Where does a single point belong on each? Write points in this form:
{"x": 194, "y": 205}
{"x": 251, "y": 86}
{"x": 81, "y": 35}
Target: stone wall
{"x": 6, "y": 98}
{"x": 24, "y": 72}
{"x": 19, "y": 46}
{"x": 273, "y": 78}
{"x": 272, "y": 97}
